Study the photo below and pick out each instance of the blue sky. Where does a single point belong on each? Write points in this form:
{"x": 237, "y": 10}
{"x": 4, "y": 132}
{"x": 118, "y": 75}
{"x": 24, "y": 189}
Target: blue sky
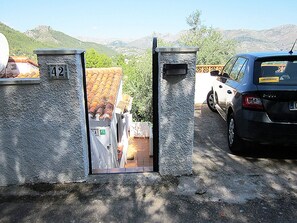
{"x": 138, "y": 18}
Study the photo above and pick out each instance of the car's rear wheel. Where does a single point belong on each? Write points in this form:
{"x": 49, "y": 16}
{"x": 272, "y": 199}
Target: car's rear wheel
{"x": 210, "y": 101}
{"x": 235, "y": 143}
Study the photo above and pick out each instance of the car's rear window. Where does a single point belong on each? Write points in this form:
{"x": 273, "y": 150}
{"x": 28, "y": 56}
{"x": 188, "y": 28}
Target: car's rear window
{"x": 276, "y": 71}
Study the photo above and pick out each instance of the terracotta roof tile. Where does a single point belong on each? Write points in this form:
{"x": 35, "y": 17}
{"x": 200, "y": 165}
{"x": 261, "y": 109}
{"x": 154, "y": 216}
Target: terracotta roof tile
{"x": 103, "y": 85}
{"x": 33, "y": 74}
{"x": 21, "y": 60}
{"x": 20, "y": 67}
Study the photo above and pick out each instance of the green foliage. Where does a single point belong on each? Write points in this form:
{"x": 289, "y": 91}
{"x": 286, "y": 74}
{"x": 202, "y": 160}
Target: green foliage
{"x": 20, "y": 44}
{"x": 213, "y": 48}
{"x": 119, "y": 60}
{"x": 59, "y": 39}
{"x": 45, "y": 37}
{"x": 164, "y": 43}
{"x": 138, "y": 84}
{"x": 194, "y": 20}
{"x": 96, "y": 60}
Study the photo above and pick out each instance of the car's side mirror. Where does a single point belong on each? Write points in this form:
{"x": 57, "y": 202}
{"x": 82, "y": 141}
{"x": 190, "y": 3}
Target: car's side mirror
{"x": 214, "y": 73}
{"x": 226, "y": 75}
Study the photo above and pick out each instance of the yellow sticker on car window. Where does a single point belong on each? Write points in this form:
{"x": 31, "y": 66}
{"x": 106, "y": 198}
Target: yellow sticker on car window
{"x": 268, "y": 79}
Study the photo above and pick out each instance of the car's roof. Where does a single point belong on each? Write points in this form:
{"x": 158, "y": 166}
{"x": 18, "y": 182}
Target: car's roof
{"x": 268, "y": 54}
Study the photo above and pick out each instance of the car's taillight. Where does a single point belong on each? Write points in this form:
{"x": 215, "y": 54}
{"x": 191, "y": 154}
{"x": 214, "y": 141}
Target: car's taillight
{"x": 251, "y": 101}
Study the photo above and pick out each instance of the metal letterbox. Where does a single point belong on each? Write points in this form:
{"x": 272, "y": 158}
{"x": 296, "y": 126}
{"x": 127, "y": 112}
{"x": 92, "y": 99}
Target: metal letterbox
{"x": 174, "y": 70}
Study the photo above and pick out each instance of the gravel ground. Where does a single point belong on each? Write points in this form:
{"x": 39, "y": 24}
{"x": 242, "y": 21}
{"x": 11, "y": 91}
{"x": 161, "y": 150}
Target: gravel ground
{"x": 259, "y": 186}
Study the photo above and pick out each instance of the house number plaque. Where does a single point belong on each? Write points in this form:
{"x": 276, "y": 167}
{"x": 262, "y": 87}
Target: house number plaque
{"x": 58, "y": 71}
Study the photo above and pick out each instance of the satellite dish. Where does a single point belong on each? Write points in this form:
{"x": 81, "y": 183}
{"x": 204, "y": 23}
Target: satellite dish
{"x": 4, "y": 52}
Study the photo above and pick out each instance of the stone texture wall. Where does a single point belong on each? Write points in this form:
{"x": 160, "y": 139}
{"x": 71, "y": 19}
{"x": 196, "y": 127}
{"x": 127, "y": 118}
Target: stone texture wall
{"x": 42, "y": 126}
{"x": 176, "y": 112}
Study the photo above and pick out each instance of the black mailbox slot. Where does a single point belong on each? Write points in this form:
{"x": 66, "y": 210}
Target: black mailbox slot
{"x": 175, "y": 69}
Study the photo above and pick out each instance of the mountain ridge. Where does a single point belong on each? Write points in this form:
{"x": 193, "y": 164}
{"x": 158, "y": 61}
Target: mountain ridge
{"x": 46, "y": 34}
{"x": 23, "y": 44}
{"x": 19, "y": 43}
{"x": 271, "y": 39}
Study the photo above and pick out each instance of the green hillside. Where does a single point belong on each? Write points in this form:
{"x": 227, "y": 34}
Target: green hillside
{"x": 21, "y": 44}
{"x": 47, "y": 35}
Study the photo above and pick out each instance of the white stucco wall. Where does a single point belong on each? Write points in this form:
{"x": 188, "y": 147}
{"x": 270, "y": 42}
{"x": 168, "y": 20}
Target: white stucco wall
{"x": 203, "y": 85}
{"x": 176, "y": 112}
{"x": 17, "y": 68}
{"x": 42, "y": 127}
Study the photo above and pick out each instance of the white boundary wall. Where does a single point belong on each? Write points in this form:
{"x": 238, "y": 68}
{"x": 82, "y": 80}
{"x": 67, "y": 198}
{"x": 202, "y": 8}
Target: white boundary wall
{"x": 202, "y": 87}
{"x": 43, "y": 135}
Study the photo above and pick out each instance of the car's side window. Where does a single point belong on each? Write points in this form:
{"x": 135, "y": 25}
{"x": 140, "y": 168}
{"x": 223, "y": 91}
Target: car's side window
{"x": 238, "y": 69}
{"x": 242, "y": 70}
{"x": 227, "y": 68}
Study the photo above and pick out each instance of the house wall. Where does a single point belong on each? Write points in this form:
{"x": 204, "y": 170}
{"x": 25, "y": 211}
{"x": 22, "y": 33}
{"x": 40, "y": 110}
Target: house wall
{"x": 176, "y": 112}
{"x": 109, "y": 141}
{"x": 202, "y": 87}
{"x": 123, "y": 138}
{"x": 43, "y": 136}
{"x": 140, "y": 129}
{"x": 16, "y": 68}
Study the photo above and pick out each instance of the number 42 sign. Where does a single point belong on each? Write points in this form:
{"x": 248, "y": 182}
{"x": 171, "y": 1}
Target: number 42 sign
{"x": 58, "y": 71}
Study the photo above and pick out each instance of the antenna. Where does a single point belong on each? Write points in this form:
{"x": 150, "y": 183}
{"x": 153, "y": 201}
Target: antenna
{"x": 291, "y": 51}
{"x": 4, "y": 52}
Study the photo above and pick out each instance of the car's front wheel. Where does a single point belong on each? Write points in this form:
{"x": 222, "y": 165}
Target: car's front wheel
{"x": 235, "y": 143}
{"x": 210, "y": 101}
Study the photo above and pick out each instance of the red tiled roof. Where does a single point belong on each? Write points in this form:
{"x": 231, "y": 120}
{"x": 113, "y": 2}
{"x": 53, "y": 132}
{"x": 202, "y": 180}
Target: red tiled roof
{"x": 21, "y": 60}
{"x": 33, "y": 74}
{"x": 30, "y": 70}
{"x": 103, "y": 85}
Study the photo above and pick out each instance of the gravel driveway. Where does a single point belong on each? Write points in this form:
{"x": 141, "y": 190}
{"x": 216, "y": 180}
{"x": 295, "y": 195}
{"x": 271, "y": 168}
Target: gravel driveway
{"x": 263, "y": 171}
{"x": 257, "y": 187}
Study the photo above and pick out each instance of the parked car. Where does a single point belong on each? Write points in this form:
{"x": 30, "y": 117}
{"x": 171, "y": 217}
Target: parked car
{"x": 256, "y": 93}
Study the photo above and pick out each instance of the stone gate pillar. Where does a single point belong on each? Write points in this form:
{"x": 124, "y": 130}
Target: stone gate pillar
{"x": 177, "y": 68}
{"x": 62, "y": 92}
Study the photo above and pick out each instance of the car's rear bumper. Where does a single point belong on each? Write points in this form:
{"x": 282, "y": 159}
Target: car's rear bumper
{"x": 257, "y": 127}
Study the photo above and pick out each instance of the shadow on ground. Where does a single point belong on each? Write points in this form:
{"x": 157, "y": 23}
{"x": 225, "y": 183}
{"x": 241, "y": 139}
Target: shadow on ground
{"x": 258, "y": 187}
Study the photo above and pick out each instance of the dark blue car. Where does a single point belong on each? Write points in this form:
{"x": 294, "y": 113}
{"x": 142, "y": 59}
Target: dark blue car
{"x": 256, "y": 93}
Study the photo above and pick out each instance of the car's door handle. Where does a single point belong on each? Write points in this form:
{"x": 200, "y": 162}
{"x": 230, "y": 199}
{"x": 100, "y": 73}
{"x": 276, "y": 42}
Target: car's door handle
{"x": 220, "y": 86}
{"x": 229, "y": 92}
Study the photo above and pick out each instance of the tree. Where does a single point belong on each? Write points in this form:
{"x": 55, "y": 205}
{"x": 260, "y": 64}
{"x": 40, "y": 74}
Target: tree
{"x": 194, "y": 20}
{"x": 213, "y": 48}
{"x": 96, "y": 60}
{"x": 119, "y": 60}
{"x": 138, "y": 84}
{"x": 138, "y": 70}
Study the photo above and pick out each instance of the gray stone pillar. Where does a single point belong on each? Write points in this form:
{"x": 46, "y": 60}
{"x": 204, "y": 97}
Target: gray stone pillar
{"x": 61, "y": 71}
{"x": 43, "y": 133}
{"x": 177, "y": 68}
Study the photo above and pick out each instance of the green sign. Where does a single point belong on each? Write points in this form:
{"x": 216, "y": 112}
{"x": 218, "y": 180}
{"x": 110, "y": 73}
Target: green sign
{"x": 102, "y": 132}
